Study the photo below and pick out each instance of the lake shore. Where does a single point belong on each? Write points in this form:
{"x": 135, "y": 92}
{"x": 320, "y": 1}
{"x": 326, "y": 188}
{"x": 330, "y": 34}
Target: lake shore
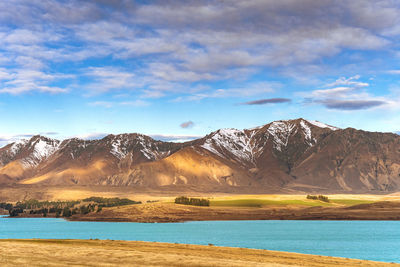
{"x": 136, "y": 253}
{"x": 159, "y": 206}
{"x": 165, "y": 212}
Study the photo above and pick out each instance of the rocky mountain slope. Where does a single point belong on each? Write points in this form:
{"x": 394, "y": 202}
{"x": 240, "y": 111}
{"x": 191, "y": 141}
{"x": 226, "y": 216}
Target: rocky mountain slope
{"x": 292, "y": 155}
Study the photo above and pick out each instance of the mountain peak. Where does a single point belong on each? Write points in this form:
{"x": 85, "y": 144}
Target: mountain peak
{"x": 322, "y": 125}
{"x": 287, "y": 154}
{"x": 313, "y": 122}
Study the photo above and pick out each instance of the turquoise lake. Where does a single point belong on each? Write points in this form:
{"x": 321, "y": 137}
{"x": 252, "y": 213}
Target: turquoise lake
{"x": 369, "y": 240}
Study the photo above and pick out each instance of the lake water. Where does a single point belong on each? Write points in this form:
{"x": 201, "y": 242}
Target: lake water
{"x": 369, "y": 240}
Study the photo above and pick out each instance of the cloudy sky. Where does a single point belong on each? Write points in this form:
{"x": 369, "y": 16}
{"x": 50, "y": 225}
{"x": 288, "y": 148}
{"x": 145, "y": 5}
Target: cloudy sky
{"x": 177, "y": 69}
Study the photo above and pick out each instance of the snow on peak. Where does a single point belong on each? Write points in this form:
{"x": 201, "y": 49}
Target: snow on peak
{"x": 40, "y": 149}
{"x": 45, "y": 148}
{"x": 118, "y": 147}
{"x": 307, "y": 133}
{"x": 280, "y": 132}
{"x": 236, "y": 142}
{"x": 151, "y": 150}
{"x": 16, "y": 146}
{"x": 10, "y": 153}
{"x": 322, "y": 125}
{"x": 121, "y": 145}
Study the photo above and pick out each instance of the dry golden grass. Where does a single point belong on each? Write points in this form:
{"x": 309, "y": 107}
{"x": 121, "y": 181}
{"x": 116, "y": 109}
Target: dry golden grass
{"x": 13, "y": 169}
{"x": 65, "y": 193}
{"x": 95, "y": 168}
{"x": 132, "y": 253}
{"x": 279, "y": 197}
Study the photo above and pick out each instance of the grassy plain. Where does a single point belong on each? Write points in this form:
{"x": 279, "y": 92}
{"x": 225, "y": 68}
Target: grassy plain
{"x": 67, "y": 193}
{"x": 260, "y": 202}
{"x": 133, "y": 253}
{"x": 224, "y": 206}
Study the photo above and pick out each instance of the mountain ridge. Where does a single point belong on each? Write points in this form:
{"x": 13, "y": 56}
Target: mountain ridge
{"x": 298, "y": 154}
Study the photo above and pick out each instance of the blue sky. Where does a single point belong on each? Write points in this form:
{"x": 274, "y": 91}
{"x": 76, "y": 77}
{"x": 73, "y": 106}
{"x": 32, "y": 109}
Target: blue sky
{"x": 178, "y": 69}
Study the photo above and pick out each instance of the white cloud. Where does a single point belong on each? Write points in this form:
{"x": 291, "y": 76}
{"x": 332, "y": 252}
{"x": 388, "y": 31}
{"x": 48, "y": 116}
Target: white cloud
{"x": 351, "y": 96}
{"x": 169, "y": 72}
{"x": 110, "y": 104}
{"x": 341, "y": 88}
{"x": 105, "y": 79}
{"x": 17, "y": 81}
{"x": 334, "y": 92}
{"x": 181, "y": 42}
{"x": 248, "y": 90}
{"x": 23, "y": 37}
{"x": 104, "y": 104}
{"x": 352, "y": 81}
{"x": 135, "y": 103}
{"x": 394, "y": 71}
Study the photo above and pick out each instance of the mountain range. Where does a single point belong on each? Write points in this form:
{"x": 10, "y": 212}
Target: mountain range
{"x": 281, "y": 156}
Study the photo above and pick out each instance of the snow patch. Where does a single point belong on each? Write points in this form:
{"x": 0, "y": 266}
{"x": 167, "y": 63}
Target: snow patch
{"x": 121, "y": 143}
{"x": 306, "y": 129}
{"x": 322, "y": 125}
{"x": 16, "y": 146}
{"x": 41, "y": 150}
{"x": 307, "y": 134}
{"x": 280, "y": 132}
{"x": 236, "y": 142}
{"x": 117, "y": 149}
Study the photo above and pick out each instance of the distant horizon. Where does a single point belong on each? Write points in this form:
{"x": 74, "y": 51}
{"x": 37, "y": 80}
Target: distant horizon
{"x": 157, "y": 137}
{"x": 187, "y": 68}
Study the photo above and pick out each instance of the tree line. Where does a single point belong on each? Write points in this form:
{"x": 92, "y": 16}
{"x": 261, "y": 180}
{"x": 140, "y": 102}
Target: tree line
{"x": 192, "y": 201}
{"x": 319, "y": 197}
{"x": 64, "y": 208}
{"x": 111, "y": 202}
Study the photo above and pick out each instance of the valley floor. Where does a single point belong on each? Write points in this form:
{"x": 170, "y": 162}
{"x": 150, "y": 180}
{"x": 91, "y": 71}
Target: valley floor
{"x": 170, "y": 212}
{"x": 158, "y": 205}
{"x": 134, "y": 253}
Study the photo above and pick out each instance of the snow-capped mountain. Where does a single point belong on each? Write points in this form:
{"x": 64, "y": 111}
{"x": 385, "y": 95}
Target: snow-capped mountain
{"x": 247, "y": 146}
{"x": 282, "y": 155}
{"x": 124, "y": 144}
{"x": 29, "y": 152}
{"x": 238, "y": 145}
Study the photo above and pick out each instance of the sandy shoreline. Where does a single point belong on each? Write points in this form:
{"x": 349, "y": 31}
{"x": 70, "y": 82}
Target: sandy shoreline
{"x": 137, "y": 253}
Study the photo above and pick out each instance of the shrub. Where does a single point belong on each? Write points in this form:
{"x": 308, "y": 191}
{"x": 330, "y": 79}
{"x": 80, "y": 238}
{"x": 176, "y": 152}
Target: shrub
{"x": 67, "y": 212}
{"x": 84, "y": 210}
{"x": 15, "y": 211}
{"x": 6, "y": 206}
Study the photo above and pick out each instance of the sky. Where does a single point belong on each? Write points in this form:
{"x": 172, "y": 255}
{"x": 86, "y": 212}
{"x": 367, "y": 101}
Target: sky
{"x": 180, "y": 69}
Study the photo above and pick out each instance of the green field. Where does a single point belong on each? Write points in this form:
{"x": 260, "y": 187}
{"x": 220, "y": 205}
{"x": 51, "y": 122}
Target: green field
{"x": 351, "y": 202}
{"x": 257, "y": 203}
